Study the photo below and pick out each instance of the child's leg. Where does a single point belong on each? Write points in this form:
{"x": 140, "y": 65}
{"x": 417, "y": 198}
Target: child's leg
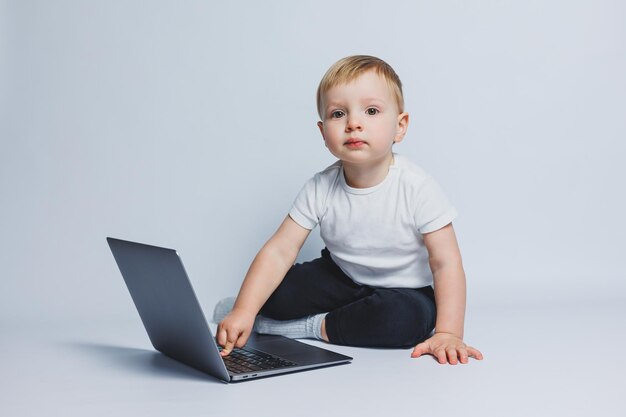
{"x": 357, "y": 315}
{"x": 389, "y": 317}
{"x": 314, "y": 287}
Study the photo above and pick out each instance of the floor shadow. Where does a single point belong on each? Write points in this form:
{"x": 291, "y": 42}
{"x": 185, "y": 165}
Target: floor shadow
{"x": 141, "y": 360}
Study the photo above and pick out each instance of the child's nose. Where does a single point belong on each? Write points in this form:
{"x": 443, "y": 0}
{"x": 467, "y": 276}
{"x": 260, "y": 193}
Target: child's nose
{"x": 354, "y": 123}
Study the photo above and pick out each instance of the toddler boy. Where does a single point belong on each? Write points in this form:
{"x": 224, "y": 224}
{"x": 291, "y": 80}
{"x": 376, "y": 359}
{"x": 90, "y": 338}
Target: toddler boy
{"x": 387, "y": 227}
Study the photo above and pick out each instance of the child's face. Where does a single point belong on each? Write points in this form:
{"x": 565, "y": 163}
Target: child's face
{"x": 361, "y": 120}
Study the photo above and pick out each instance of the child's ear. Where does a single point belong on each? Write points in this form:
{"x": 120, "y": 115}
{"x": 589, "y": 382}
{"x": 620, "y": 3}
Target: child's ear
{"x": 403, "y": 125}
{"x": 320, "y": 125}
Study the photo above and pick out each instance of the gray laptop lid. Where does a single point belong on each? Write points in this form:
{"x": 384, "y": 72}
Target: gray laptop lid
{"x": 167, "y": 305}
{"x": 173, "y": 318}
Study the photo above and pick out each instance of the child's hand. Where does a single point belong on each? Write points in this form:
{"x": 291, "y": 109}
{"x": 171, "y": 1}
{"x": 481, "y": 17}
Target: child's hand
{"x": 446, "y": 347}
{"x": 234, "y": 330}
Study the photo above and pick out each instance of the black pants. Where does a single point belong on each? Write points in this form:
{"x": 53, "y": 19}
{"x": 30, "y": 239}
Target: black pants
{"x": 358, "y": 315}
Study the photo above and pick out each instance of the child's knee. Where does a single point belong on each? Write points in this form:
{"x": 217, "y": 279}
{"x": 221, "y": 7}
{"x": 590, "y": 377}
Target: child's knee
{"x": 399, "y": 319}
{"x": 415, "y": 317}
{"x": 388, "y": 318}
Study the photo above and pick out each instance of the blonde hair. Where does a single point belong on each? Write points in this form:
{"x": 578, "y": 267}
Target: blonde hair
{"x": 349, "y": 68}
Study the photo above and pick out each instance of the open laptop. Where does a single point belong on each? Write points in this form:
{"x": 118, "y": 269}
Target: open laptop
{"x": 176, "y": 325}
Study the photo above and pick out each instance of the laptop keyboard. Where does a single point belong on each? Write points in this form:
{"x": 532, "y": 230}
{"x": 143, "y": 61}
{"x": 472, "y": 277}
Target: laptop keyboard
{"x": 244, "y": 360}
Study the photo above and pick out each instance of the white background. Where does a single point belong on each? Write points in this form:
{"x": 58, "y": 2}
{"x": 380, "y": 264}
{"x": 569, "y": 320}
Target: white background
{"x": 191, "y": 125}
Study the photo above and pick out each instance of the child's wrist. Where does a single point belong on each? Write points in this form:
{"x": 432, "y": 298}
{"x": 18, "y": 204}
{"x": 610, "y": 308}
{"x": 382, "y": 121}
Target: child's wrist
{"x": 244, "y": 311}
{"x": 449, "y": 333}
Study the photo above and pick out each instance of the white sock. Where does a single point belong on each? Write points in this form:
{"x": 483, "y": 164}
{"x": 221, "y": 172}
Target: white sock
{"x": 309, "y": 327}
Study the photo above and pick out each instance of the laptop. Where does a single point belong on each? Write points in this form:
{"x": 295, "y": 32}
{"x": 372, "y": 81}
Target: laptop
{"x": 176, "y": 325}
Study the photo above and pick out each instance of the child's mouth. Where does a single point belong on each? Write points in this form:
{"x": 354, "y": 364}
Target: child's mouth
{"x": 354, "y": 143}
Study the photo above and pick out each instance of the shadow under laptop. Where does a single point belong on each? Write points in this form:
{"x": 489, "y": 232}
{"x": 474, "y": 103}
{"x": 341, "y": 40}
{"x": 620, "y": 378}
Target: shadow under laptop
{"x": 142, "y": 361}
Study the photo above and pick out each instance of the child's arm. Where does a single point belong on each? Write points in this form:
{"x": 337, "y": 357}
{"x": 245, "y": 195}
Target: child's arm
{"x": 449, "y": 279}
{"x": 265, "y": 274}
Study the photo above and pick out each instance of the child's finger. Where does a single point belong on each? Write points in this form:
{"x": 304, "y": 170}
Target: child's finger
{"x": 440, "y": 354}
{"x": 243, "y": 338}
{"x": 474, "y": 353}
{"x": 419, "y": 350}
{"x": 462, "y": 355}
{"x": 227, "y": 348}
{"x": 452, "y": 357}
{"x": 221, "y": 335}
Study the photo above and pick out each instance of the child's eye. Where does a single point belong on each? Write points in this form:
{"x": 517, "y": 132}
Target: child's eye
{"x": 372, "y": 111}
{"x": 337, "y": 114}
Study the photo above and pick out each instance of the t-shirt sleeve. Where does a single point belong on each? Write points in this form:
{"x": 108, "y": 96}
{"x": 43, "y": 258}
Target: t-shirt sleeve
{"x": 304, "y": 208}
{"x": 433, "y": 209}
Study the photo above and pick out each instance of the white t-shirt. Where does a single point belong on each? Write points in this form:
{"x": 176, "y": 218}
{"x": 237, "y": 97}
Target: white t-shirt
{"x": 375, "y": 234}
